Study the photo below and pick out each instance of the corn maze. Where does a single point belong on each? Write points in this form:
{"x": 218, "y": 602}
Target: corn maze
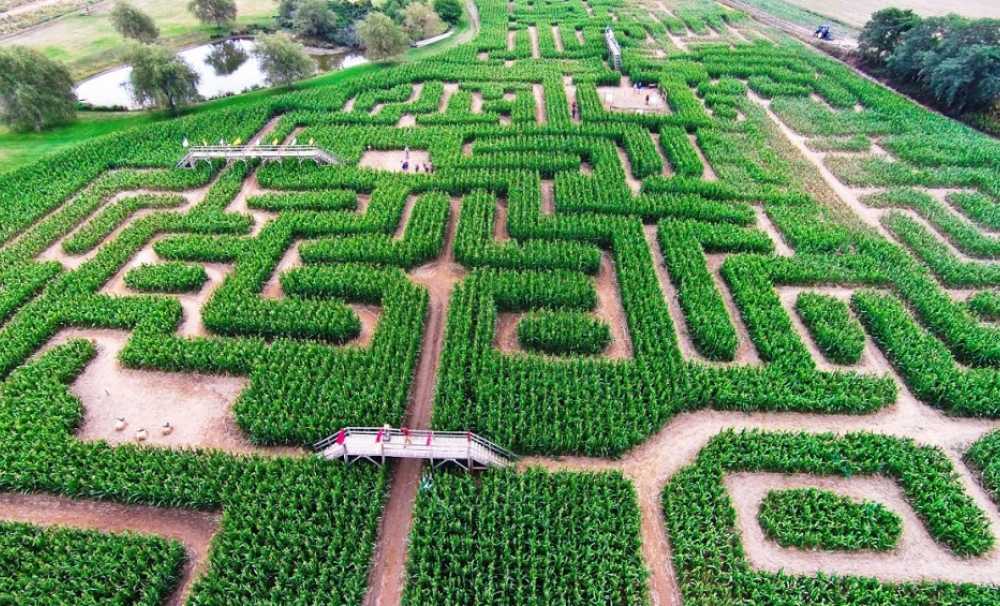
{"x": 736, "y": 307}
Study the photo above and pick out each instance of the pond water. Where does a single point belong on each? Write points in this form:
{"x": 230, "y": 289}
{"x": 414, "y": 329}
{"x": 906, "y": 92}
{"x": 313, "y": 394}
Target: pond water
{"x": 224, "y": 68}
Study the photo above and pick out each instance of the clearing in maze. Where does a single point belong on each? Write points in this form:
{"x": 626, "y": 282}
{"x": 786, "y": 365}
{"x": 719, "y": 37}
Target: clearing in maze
{"x": 733, "y": 280}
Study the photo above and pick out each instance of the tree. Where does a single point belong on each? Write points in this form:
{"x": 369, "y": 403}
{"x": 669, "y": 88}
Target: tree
{"x": 449, "y": 10}
{"x": 220, "y": 13}
{"x": 132, "y": 23}
{"x": 881, "y": 34}
{"x": 919, "y": 46}
{"x": 314, "y": 19}
{"x": 382, "y": 38}
{"x": 420, "y": 21}
{"x": 161, "y": 78}
{"x": 35, "y": 92}
{"x": 967, "y": 81}
{"x": 286, "y": 12}
{"x": 282, "y": 60}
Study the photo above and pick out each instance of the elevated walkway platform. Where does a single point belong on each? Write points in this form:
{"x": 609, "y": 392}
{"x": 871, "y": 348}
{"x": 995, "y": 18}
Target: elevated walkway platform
{"x": 376, "y": 444}
{"x": 246, "y": 153}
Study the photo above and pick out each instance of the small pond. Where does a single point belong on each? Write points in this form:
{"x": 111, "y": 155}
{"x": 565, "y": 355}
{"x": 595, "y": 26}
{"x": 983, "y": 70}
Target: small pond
{"x": 225, "y": 68}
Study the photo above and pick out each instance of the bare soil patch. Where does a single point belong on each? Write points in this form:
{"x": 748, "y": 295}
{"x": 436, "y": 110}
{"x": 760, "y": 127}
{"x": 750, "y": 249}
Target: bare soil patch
{"x": 193, "y": 529}
{"x": 450, "y": 88}
{"x": 392, "y": 160}
{"x": 539, "y": 94}
{"x": 533, "y": 36}
{"x": 570, "y": 89}
{"x": 197, "y": 406}
{"x": 557, "y": 39}
{"x": 406, "y": 121}
{"x": 627, "y": 98}
{"x": 764, "y": 223}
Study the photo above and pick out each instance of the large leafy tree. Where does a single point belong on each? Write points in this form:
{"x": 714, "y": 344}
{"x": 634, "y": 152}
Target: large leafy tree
{"x": 420, "y": 21}
{"x": 35, "y": 92}
{"x": 132, "y": 23}
{"x": 161, "y": 78}
{"x": 314, "y": 19}
{"x": 282, "y": 60}
{"x": 881, "y": 34}
{"x": 963, "y": 72}
{"x": 449, "y": 10}
{"x": 381, "y": 37}
{"x": 220, "y": 13}
{"x": 921, "y": 45}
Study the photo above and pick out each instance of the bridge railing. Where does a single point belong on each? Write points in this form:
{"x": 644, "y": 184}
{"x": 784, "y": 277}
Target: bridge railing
{"x": 416, "y": 440}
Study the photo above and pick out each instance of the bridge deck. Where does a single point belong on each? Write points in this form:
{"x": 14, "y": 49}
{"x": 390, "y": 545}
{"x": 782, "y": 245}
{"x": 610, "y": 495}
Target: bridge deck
{"x": 378, "y": 444}
{"x": 246, "y": 153}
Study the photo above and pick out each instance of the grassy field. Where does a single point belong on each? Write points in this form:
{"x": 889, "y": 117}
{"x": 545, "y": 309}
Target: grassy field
{"x": 856, "y": 12}
{"x": 18, "y": 149}
{"x": 88, "y": 44}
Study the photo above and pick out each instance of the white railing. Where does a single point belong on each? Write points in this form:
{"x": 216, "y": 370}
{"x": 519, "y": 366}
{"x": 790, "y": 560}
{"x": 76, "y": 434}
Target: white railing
{"x": 377, "y": 444}
{"x": 208, "y": 153}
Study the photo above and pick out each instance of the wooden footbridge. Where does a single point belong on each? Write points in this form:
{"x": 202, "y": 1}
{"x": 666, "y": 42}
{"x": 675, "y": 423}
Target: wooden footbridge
{"x": 376, "y": 444}
{"x": 247, "y": 153}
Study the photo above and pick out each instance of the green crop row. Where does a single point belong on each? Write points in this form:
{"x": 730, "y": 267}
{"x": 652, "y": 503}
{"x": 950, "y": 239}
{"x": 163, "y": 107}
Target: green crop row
{"x": 809, "y": 518}
{"x": 166, "y": 277}
{"x": 517, "y": 538}
{"x": 563, "y": 333}
{"x": 708, "y": 558}
{"x": 837, "y": 334}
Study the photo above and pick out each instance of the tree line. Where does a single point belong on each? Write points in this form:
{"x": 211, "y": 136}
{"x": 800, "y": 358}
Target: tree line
{"x": 36, "y": 92}
{"x": 952, "y": 60}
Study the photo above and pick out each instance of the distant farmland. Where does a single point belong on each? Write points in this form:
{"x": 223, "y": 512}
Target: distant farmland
{"x": 856, "y": 12}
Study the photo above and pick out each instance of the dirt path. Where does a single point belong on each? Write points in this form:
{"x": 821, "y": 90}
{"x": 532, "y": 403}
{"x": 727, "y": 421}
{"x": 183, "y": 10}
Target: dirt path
{"x": 668, "y": 170}
{"x": 709, "y": 172}
{"x": 917, "y": 556}
{"x": 193, "y": 529}
{"x": 633, "y": 184}
{"x": 450, "y": 88}
{"x": 197, "y": 406}
{"x": 570, "y": 89}
{"x": 764, "y": 224}
{"x": 386, "y": 578}
{"x": 538, "y": 91}
{"x": 852, "y": 196}
{"x": 802, "y": 33}
{"x": 557, "y": 39}
{"x": 611, "y": 310}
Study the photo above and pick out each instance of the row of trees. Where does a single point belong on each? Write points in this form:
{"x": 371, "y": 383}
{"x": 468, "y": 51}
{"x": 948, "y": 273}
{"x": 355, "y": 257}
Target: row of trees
{"x": 383, "y": 27}
{"x": 36, "y": 92}
{"x": 952, "y": 59}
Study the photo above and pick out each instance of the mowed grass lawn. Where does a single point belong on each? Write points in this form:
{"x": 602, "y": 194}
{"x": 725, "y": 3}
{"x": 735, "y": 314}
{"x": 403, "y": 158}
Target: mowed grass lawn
{"x": 857, "y": 12}
{"x": 87, "y": 44}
